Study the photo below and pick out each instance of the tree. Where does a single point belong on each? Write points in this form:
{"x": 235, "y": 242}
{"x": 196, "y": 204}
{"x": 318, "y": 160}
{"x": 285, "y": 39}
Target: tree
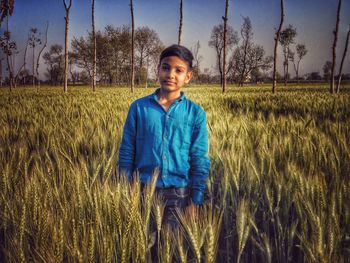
{"x": 342, "y": 60}
{"x": 246, "y": 48}
{"x": 113, "y": 54}
{"x": 94, "y": 46}
{"x": 132, "y": 46}
{"x": 224, "y": 51}
{"x": 248, "y": 62}
{"x": 301, "y": 52}
{"x": 197, "y": 59}
{"x": 67, "y": 8}
{"x": 54, "y": 59}
{"x": 286, "y": 39}
{"x": 6, "y": 9}
{"x": 327, "y": 68}
{"x": 8, "y": 47}
{"x": 22, "y": 71}
{"x": 82, "y": 50}
{"x": 216, "y": 41}
{"x": 335, "y": 32}
{"x": 40, "y": 52}
{"x": 146, "y": 43}
{"x": 277, "y": 38}
{"x": 313, "y": 76}
{"x": 34, "y": 40}
{"x": 180, "y": 23}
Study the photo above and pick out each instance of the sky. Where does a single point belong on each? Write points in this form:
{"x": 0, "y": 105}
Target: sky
{"x": 313, "y": 19}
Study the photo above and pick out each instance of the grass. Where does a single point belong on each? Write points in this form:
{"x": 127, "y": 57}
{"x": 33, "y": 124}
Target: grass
{"x": 279, "y": 178}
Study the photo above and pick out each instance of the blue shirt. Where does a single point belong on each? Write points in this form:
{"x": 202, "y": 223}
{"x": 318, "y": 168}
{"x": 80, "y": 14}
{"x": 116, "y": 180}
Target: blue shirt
{"x": 175, "y": 142}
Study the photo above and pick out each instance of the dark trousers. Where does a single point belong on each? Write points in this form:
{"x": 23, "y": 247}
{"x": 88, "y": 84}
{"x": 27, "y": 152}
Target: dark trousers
{"x": 173, "y": 198}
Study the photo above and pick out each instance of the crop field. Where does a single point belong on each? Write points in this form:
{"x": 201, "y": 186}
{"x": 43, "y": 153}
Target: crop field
{"x": 279, "y": 179}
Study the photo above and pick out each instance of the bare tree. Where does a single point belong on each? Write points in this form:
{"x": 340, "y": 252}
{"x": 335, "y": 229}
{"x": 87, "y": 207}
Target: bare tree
{"x": 34, "y": 40}
{"x": 94, "y": 46}
{"x": 335, "y": 32}
{"x": 301, "y": 52}
{"x": 197, "y": 59}
{"x": 225, "y": 18}
{"x": 286, "y": 39}
{"x": 180, "y": 24}
{"x": 40, "y": 52}
{"x": 1, "y": 59}
{"x": 216, "y": 41}
{"x": 23, "y": 67}
{"x": 6, "y": 10}
{"x": 342, "y": 60}
{"x": 67, "y": 7}
{"x": 247, "y": 46}
{"x": 54, "y": 58}
{"x": 278, "y": 33}
{"x": 8, "y": 46}
{"x": 248, "y": 62}
{"x": 132, "y": 46}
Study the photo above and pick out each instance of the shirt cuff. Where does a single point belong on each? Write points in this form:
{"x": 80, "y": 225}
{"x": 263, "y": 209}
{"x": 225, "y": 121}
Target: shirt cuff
{"x": 197, "y": 197}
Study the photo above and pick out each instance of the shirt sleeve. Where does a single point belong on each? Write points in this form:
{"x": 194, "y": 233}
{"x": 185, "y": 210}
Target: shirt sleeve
{"x": 128, "y": 144}
{"x": 199, "y": 159}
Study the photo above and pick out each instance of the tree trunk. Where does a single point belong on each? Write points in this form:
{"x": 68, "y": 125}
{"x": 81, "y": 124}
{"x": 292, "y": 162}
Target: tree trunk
{"x": 274, "y": 82}
{"x": 8, "y": 56}
{"x": 33, "y": 69}
{"x": 41, "y": 51}
{"x": 67, "y": 8}
{"x": 331, "y": 90}
{"x": 180, "y": 24}
{"x": 0, "y": 72}
{"x": 287, "y": 72}
{"x": 24, "y": 63}
{"x": 225, "y": 47}
{"x": 132, "y": 46}
{"x": 95, "y": 50}
{"x": 342, "y": 60}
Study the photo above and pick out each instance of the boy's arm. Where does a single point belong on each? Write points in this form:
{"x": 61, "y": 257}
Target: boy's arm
{"x": 200, "y": 162}
{"x": 128, "y": 144}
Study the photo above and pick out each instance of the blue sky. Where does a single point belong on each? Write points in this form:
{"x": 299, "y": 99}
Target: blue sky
{"x": 314, "y": 20}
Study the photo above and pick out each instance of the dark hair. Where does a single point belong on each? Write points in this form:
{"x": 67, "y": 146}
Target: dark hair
{"x": 178, "y": 51}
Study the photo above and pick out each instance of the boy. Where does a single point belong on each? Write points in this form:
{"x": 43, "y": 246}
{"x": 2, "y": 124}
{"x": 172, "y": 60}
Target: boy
{"x": 165, "y": 130}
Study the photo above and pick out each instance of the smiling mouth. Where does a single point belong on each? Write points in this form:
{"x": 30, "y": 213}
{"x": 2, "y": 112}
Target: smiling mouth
{"x": 169, "y": 82}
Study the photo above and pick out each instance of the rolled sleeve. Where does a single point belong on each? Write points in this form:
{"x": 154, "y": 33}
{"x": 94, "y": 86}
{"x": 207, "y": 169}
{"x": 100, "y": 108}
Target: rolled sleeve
{"x": 128, "y": 144}
{"x": 200, "y": 162}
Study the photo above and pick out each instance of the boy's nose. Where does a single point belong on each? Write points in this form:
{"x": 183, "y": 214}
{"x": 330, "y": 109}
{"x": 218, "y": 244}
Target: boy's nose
{"x": 171, "y": 74}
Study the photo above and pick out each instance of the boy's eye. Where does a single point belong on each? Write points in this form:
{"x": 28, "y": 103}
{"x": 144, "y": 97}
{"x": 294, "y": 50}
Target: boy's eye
{"x": 165, "y": 67}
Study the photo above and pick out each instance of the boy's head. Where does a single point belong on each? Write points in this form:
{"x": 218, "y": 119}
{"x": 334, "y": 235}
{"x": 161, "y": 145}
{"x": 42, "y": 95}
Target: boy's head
{"x": 179, "y": 51}
{"x": 175, "y": 68}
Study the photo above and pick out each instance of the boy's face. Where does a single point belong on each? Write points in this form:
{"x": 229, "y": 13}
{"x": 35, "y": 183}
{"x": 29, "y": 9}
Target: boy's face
{"x": 173, "y": 73}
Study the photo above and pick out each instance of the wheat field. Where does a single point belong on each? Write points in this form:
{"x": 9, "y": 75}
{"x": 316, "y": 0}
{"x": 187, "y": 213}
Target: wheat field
{"x": 279, "y": 180}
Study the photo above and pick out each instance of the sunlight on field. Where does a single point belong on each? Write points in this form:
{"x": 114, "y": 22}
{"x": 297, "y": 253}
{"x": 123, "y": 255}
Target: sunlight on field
{"x": 279, "y": 178}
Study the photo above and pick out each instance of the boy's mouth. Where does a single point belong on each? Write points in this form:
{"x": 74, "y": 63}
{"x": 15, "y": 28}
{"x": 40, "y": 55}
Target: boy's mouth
{"x": 168, "y": 82}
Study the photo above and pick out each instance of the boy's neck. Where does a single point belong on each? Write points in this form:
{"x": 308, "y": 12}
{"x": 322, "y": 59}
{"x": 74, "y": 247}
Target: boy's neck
{"x": 168, "y": 97}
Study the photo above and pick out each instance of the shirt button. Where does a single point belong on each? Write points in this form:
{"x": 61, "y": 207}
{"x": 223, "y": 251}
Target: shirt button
{"x": 167, "y": 116}
{"x": 164, "y": 157}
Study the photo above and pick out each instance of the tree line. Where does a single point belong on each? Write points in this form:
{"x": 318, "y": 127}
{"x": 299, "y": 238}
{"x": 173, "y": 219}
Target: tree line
{"x": 120, "y": 55}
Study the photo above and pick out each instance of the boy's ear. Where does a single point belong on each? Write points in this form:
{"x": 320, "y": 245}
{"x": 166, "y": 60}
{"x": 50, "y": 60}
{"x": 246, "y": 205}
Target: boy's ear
{"x": 189, "y": 75}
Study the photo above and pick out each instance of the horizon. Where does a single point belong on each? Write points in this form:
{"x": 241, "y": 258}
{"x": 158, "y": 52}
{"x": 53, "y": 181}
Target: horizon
{"x": 313, "y": 30}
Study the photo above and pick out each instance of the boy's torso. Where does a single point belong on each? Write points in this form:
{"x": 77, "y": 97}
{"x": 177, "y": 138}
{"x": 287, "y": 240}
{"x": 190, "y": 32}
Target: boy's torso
{"x": 163, "y": 139}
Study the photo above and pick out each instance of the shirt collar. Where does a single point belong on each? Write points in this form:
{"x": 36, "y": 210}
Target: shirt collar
{"x": 154, "y": 95}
